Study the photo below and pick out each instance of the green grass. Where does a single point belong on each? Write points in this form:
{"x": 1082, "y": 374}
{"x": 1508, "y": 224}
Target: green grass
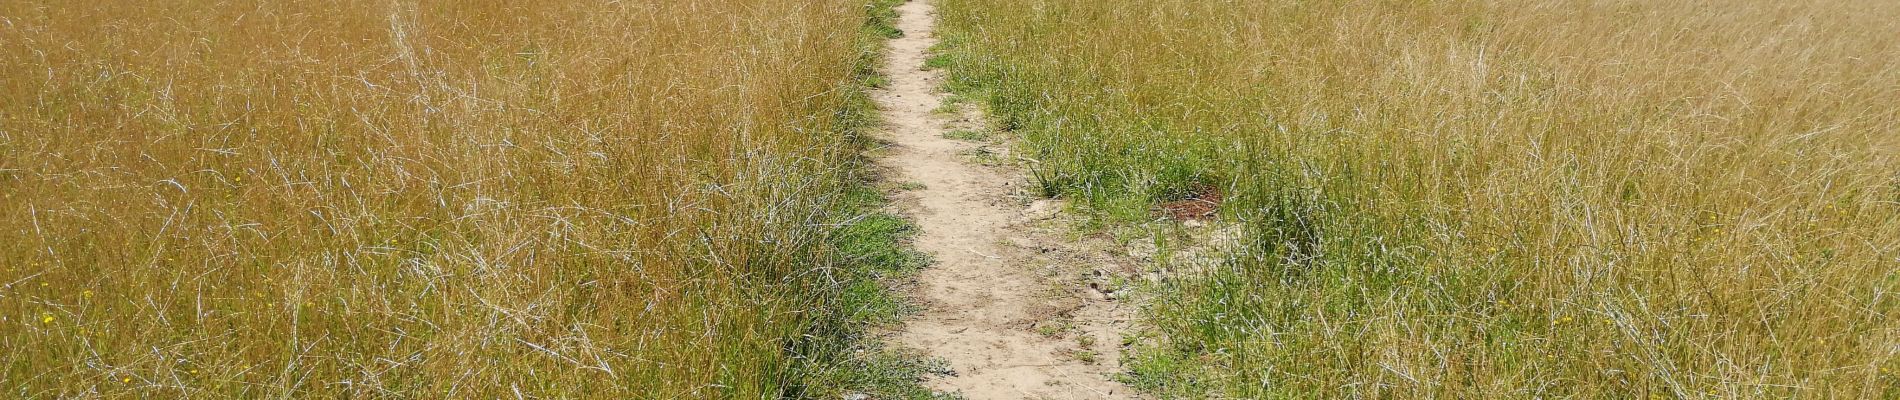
{"x": 966, "y": 134}
{"x": 870, "y": 246}
{"x": 846, "y": 359}
{"x": 1466, "y": 199}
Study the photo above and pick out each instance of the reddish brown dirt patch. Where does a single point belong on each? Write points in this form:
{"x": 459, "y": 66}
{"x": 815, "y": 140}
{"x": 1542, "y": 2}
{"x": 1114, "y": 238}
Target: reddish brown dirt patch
{"x": 1201, "y": 204}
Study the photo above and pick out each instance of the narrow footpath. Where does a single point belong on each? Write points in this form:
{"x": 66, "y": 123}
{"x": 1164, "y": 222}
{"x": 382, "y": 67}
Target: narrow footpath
{"x": 1007, "y": 303}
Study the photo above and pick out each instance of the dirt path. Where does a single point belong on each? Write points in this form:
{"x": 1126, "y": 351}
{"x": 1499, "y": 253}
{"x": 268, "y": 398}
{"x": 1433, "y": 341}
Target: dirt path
{"x": 1008, "y": 304}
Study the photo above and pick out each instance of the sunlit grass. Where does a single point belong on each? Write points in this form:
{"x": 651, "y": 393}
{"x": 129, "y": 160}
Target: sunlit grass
{"x": 479, "y": 199}
{"x": 1484, "y": 199}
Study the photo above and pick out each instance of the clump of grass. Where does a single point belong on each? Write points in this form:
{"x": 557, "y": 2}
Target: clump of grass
{"x": 1055, "y": 327}
{"x": 1086, "y": 356}
{"x": 952, "y": 104}
{"x": 937, "y": 61}
{"x": 1464, "y": 199}
{"x": 966, "y": 134}
{"x": 470, "y": 200}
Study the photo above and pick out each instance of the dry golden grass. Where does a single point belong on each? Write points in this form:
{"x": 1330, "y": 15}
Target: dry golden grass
{"x": 1486, "y": 199}
{"x": 474, "y": 199}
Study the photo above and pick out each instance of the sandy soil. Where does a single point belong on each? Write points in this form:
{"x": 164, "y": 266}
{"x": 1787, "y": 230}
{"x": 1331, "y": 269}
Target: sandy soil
{"x": 1018, "y": 312}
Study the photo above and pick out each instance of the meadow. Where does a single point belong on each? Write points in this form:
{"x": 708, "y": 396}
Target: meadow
{"x": 1479, "y": 199}
{"x": 473, "y": 199}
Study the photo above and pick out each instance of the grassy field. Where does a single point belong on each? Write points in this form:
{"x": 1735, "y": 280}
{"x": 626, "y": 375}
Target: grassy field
{"x": 1482, "y": 199}
{"x": 478, "y": 199}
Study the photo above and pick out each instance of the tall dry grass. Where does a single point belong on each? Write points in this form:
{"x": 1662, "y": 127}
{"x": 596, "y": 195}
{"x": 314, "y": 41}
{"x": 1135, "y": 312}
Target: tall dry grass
{"x": 1484, "y": 199}
{"x": 474, "y": 199}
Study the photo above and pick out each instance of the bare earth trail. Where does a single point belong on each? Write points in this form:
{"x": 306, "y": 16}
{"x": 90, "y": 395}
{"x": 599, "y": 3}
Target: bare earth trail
{"x": 1007, "y": 302}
